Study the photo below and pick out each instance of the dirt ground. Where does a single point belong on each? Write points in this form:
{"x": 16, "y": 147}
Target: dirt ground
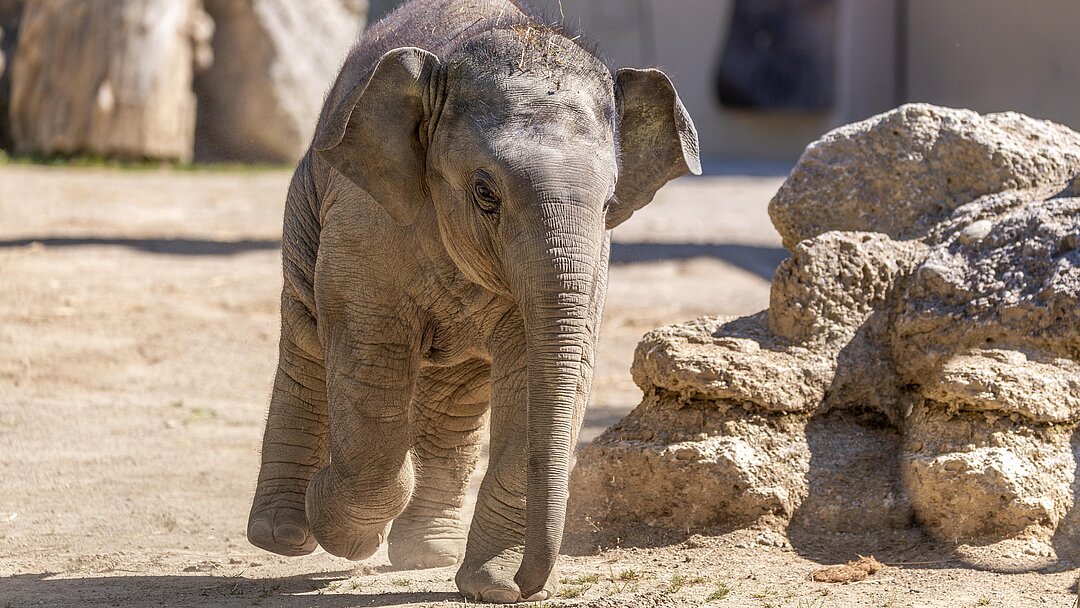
{"x": 138, "y": 329}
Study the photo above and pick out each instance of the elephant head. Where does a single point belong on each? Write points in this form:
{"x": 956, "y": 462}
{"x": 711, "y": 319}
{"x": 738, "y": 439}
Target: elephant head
{"x": 525, "y": 150}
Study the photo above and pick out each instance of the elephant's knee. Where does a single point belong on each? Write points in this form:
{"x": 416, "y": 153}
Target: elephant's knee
{"x": 348, "y": 516}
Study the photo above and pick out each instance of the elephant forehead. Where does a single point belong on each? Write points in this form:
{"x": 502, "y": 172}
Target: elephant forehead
{"x": 554, "y": 131}
{"x": 534, "y": 152}
{"x": 525, "y": 105}
{"x": 529, "y": 50}
{"x": 506, "y": 76}
{"x": 536, "y": 134}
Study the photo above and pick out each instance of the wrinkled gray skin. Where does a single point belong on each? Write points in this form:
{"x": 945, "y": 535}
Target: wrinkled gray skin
{"x": 445, "y": 252}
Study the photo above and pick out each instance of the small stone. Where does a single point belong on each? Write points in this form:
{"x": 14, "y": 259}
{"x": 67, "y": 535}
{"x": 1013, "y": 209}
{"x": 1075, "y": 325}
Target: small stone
{"x": 686, "y": 454}
{"x": 1070, "y": 242}
{"x": 933, "y": 272}
{"x": 975, "y": 231}
{"x": 1037, "y": 550}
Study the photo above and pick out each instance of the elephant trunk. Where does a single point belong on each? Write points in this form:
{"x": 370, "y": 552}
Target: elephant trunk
{"x": 555, "y": 299}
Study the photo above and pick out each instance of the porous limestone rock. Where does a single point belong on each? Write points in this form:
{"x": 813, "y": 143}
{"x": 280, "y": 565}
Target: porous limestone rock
{"x": 738, "y": 362}
{"x": 274, "y": 61}
{"x": 986, "y": 477}
{"x": 711, "y": 467}
{"x": 902, "y": 172}
{"x": 919, "y": 363}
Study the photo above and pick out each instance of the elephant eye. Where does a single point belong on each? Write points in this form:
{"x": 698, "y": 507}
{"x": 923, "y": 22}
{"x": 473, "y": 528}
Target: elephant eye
{"x": 486, "y": 198}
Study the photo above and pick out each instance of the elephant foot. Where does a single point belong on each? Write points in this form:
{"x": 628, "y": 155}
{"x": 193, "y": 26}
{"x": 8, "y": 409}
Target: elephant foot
{"x": 341, "y": 526}
{"x": 278, "y": 524}
{"x": 493, "y": 580}
{"x": 421, "y": 545}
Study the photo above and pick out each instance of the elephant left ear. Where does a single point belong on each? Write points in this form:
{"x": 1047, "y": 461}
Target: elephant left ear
{"x": 372, "y": 138}
{"x": 657, "y": 137}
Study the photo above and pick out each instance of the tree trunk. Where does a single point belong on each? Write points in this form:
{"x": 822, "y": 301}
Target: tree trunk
{"x": 10, "y": 12}
{"x": 108, "y": 77}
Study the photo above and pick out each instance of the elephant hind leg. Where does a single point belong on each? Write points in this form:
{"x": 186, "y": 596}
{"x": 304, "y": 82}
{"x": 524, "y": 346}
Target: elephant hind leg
{"x": 447, "y": 414}
{"x": 295, "y": 439}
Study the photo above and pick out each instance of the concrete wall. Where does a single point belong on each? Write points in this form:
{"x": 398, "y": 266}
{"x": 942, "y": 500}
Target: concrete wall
{"x": 988, "y": 55}
{"x": 867, "y": 54}
{"x": 995, "y": 55}
{"x": 685, "y": 38}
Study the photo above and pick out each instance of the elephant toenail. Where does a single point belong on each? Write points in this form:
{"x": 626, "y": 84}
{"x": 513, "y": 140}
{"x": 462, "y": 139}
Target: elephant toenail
{"x": 290, "y": 534}
{"x": 501, "y": 596}
{"x": 539, "y": 596}
{"x": 260, "y": 532}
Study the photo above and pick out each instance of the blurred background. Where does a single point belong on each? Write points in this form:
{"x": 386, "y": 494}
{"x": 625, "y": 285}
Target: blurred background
{"x": 242, "y": 80}
{"x": 763, "y": 78}
{"x": 139, "y": 316}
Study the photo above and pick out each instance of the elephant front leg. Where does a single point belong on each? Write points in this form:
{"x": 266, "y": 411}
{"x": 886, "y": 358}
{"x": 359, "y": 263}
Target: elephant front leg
{"x": 497, "y": 536}
{"x": 371, "y": 372}
{"x": 447, "y": 420}
{"x": 496, "y": 540}
{"x": 295, "y": 439}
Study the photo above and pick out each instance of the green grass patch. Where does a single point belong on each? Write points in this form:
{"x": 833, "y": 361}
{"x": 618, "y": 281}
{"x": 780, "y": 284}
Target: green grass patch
{"x": 679, "y": 581}
{"x": 570, "y": 592}
{"x": 584, "y": 579}
{"x": 720, "y": 592}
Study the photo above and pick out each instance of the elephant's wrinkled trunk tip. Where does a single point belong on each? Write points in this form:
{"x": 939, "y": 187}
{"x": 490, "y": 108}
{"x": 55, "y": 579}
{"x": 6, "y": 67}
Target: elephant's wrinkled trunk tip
{"x": 556, "y": 332}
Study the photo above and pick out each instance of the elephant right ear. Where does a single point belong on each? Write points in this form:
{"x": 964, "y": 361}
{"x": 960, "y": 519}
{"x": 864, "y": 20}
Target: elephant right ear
{"x": 372, "y": 138}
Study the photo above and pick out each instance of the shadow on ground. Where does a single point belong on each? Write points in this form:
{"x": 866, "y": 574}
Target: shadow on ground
{"x": 165, "y": 246}
{"x": 761, "y": 261}
{"x": 202, "y": 590}
{"x": 744, "y": 168}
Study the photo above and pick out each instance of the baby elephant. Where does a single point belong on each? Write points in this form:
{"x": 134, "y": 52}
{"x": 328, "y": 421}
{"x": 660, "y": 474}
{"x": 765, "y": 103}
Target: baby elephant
{"x": 445, "y": 259}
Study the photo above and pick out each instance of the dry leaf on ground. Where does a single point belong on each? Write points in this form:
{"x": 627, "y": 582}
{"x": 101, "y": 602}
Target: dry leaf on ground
{"x": 855, "y": 570}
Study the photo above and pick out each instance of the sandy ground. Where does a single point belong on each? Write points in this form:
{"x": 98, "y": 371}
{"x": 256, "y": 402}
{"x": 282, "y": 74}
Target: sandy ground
{"x": 138, "y": 328}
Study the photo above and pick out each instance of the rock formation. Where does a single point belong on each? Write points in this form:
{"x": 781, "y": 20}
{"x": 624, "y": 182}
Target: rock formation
{"x": 238, "y": 80}
{"x": 274, "y": 62}
{"x": 107, "y": 78}
{"x": 919, "y": 363}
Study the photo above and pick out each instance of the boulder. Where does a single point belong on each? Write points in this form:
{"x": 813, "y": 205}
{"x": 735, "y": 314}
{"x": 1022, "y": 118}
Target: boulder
{"x": 919, "y": 363}
{"x": 274, "y": 61}
{"x": 903, "y": 172}
{"x": 692, "y": 467}
{"x": 107, "y": 78}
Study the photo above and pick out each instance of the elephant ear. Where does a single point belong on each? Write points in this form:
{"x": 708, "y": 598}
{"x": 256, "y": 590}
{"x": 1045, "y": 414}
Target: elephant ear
{"x": 372, "y": 137}
{"x": 657, "y": 137}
